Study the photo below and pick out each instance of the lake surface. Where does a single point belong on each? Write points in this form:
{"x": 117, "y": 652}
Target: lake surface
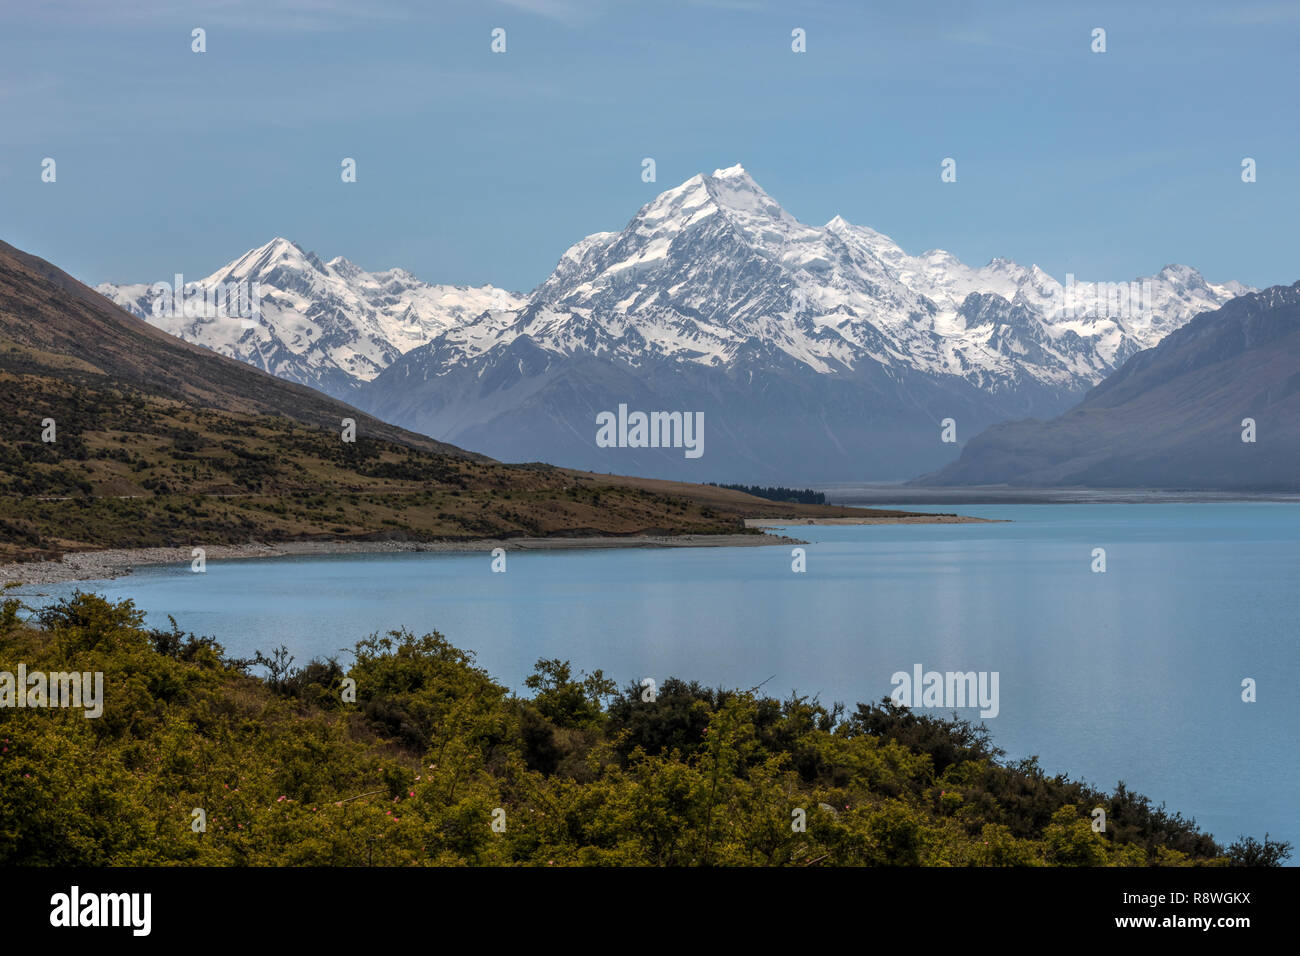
{"x": 1131, "y": 674}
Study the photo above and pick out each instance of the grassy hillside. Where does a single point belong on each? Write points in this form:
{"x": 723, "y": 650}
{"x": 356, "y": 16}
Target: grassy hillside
{"x": 160, "y": 443}
{"x": 130, "y": 469}
{"x": 431, "y": 751}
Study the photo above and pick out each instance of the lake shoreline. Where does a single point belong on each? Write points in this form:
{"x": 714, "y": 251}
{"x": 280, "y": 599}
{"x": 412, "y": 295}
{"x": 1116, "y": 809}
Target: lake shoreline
{"x": 113, "y": 563}
{"x": 118, "y": 562}
{"x": 893, "y": 519}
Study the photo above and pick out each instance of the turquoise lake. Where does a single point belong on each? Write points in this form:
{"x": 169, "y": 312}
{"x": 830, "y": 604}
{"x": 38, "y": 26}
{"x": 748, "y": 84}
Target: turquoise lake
{"x": 1134, "y": 674}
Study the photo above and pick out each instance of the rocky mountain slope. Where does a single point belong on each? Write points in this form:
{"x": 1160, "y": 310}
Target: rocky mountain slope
{"x": 1173, "y": 416}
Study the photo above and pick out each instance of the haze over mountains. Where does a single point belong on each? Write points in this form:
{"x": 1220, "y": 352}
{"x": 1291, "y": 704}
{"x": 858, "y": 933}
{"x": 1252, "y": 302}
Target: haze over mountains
{"x": 814, "y": 352}
{"x": 1171, "y": 417}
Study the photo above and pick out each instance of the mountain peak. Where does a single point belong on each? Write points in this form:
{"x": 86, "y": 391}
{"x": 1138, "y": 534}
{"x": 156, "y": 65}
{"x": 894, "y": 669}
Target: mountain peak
{"x": 731, "y": 190}
{"x": 734, "y": 191}
{"x": 732, "y": 172}
{"x": 345, "y": 267}
{"x": 267, "y": 256}
{"x": 279, "y": 246}
{"x": 1175, "y": 272}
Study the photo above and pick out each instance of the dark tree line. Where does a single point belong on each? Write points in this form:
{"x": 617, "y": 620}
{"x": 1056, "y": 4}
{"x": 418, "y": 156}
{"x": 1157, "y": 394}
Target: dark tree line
{"x": 802, "y": 496}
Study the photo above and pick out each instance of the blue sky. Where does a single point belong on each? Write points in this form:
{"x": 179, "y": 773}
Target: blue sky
{"x": 476, "y": 167}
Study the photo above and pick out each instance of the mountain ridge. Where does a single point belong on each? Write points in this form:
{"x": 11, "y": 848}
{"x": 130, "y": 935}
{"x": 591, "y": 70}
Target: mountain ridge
{"x": 1173, "y": 416}
{"x": 330, "y": 325}
{"x": 712, "y": 298}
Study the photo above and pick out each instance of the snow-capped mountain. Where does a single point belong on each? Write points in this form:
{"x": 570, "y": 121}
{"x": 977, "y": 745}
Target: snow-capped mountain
{"x": 814, "y": 352}
{"x": 330, "y": 325}
{"x": 716, "y": 263}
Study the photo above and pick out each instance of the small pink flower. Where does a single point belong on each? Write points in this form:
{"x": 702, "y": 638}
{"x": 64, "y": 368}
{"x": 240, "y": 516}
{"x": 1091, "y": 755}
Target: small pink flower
{"x": 412, "y": 793}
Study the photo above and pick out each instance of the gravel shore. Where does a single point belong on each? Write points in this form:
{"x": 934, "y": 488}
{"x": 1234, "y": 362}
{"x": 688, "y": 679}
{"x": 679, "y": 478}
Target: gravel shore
{"x": 102, "y": 565}
{"x": 909, "y": 519}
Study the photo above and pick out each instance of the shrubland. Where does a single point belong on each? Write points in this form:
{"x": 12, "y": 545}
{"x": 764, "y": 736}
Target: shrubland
{"x": 408, "y": 753}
